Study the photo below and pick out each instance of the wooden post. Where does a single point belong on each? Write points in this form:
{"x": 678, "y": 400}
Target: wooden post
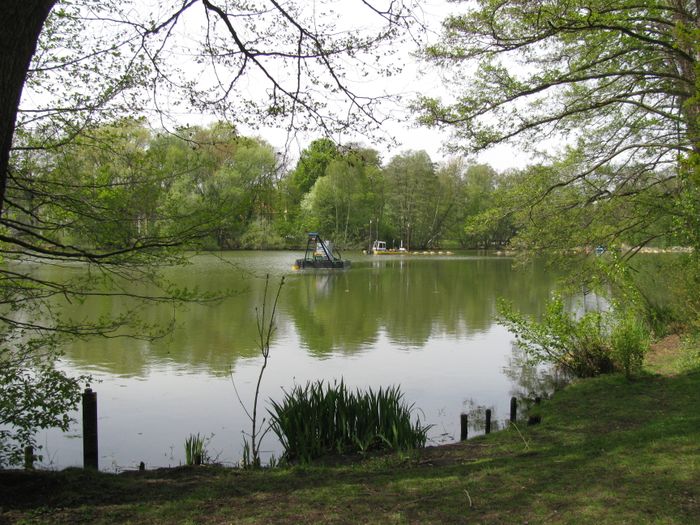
{"x": 534, "y": 420}
{"x": 463, "y": 427}
{"x": 29, "y": 457}
{"x": 90, "y": 453}
{"x": 488, "y": 420}
{"x": 513, "y": 409}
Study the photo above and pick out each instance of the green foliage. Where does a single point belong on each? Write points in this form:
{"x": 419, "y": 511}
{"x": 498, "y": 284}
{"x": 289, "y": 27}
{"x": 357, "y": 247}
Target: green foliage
{"x": 578, "y": 347}
{"x": 312, "y": 164}
{"x": 413, "y": 203}
{"x": 338, "y": 203}
{"x": 34, "y": 394}
{"x": 608, "y": 90}
{"x": 102, "y": 202}
{"x": 196, "y": 450}
{"x": 261, "y": 235}
{"x": 630, "y": 342}
{"x": 128, "y": 186}
{"x": 486, "y": 218}
{"x": 613, "y": 450}
{"x": 690, "y": 357}
{"x": 586, "y": 59}
{"x": 81, "y": 185}
{"x": 686, "y": 288}
{"x": 592, "y": 344}
{"x": 323, "y": 419}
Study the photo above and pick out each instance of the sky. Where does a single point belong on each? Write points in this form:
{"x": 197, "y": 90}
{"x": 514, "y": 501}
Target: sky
{"x": 417, "y": 77}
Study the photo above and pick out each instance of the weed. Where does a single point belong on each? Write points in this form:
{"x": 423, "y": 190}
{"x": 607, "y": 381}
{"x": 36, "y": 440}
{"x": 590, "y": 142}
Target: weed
{"x": 266, "y": 328}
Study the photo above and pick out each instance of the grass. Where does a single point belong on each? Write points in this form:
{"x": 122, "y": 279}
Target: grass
{"x": 608, "y": 451}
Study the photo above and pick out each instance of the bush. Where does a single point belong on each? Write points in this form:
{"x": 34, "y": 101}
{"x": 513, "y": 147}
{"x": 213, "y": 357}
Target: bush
{"x": 319, "y": 420}
{"x": 596, "y": 343}
{"x": 578, "y": 347}
{"x": 630, "y": 342}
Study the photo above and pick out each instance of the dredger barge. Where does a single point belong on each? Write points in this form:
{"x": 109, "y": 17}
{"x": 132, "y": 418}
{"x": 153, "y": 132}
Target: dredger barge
{"x": 319, "y": 255}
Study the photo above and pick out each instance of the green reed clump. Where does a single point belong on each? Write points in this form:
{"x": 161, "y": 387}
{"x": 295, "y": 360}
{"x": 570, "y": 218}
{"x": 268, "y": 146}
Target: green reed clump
{"x": 321, "y": 419}
{"x": 195, "y": 450}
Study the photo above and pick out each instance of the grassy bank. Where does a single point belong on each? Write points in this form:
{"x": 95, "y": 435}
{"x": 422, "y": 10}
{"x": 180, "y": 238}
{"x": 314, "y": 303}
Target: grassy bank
{"x": 607, "y": 451}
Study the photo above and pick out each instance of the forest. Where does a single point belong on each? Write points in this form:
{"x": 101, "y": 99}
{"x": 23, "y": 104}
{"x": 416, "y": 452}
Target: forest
{"x": 130, "y": 182}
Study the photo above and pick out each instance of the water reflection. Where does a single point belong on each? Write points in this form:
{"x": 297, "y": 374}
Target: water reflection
{"x": 426, "y": 324}
{"x": 411, "y": 300}
{"x": 531, "y": 380}
{"x": 476, "y": 417}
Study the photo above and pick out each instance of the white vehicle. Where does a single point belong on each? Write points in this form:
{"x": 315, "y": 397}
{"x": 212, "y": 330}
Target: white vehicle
{"x": 379, "y": 247}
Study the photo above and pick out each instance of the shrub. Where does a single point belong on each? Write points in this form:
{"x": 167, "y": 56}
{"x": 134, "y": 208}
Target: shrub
{"x": 323, "y": 419}
{"x": 630, "y": 342}
{"x": 577, "y": 346}
{"x": 596, "y": 343}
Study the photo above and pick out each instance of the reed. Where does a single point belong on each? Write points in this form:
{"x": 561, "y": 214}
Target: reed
{"x": 195, "y": 450}
{"x": 322, "y": 419}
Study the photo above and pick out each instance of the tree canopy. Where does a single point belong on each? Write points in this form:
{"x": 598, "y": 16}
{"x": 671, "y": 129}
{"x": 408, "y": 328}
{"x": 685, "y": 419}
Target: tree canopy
{"x": 609, "y": 87}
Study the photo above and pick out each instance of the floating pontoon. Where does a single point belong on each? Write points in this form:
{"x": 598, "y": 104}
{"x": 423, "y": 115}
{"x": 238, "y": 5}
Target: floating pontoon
{"x": 319, "y": 255}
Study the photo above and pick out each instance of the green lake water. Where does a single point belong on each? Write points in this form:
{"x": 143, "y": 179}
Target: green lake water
{"x": 426, "y": 323}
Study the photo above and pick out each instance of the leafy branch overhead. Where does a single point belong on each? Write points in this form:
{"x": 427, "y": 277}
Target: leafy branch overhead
{"x": 606, "y": 88}
{"x": 568, "y": 66}
{"x": 294, "y": 64}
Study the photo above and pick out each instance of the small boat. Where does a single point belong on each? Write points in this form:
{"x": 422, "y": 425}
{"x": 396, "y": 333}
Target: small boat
{"x": 319, "y": 255}
{"x": 379, "y": 248}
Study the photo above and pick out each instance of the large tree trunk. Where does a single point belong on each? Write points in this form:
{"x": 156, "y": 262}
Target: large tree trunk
{"x": 21, "y": 22}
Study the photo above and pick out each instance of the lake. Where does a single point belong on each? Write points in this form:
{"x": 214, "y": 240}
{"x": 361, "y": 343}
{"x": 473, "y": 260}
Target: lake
{"x": 426, "y": 323}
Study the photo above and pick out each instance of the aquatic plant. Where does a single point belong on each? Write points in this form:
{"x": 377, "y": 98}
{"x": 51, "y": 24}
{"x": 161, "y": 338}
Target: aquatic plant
{"x": 322, "y": 419}
{"x": 195, "y": 450}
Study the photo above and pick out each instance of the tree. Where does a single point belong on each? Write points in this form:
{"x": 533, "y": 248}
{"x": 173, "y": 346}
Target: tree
{"x": 611, "y": 90}
{"x": 111, "y": 171}
{"x": 415, "y": 202}
{"x": 20, "y": 26}
{"x": 76, "y": 65}
{"x": 470, "y": 189}
{"x": 614, "y": 81}
{"x": 312, "y": 164}
{"x": 341, "y": 203}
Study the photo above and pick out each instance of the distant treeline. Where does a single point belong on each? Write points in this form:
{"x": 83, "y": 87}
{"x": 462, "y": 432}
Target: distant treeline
{"x": 125, "y": 182}
{"x": 128, "y": 182}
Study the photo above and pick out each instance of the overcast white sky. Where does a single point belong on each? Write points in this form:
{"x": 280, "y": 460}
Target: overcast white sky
{"x": 416, "y": 78}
